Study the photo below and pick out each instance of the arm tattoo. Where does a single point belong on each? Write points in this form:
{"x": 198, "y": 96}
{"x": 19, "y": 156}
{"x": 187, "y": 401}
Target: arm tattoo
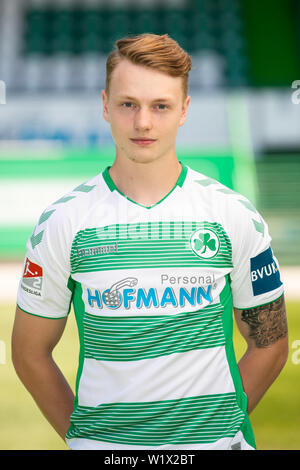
{"x": 267, "y": 323}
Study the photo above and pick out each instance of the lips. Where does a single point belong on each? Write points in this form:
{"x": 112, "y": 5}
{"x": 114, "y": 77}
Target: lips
{"x": 143, "y": 141}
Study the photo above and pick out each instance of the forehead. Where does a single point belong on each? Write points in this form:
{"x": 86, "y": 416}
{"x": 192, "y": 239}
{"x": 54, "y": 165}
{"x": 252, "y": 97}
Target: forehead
{"x": 143, "y": 82}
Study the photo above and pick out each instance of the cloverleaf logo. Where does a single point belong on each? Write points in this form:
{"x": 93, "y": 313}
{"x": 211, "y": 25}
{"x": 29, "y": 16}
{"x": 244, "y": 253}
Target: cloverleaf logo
{"x": 205, "y": 243}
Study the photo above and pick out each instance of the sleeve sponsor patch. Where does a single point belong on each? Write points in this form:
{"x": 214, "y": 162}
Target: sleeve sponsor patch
{"x": 265, "y": 275}
{"x": 32, "y": 280}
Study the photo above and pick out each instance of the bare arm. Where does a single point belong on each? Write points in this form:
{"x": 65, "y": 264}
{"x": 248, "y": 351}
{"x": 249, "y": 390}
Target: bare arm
{"x": 265, "y": 331}
{"x": 33, "y": 340}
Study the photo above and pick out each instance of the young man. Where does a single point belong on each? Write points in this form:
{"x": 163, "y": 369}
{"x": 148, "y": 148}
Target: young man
{"x": 154, "y": 257}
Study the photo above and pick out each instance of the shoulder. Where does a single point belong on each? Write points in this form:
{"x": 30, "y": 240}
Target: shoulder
{"x": 211, "y": 187}
{"x": 229, "y": 205}
{"x": 61, "y": 218}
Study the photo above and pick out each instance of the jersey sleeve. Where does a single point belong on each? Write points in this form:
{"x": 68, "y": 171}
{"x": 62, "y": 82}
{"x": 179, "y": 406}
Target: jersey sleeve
{"x": 43, "y": 289}
{"x": 255, "y": 278}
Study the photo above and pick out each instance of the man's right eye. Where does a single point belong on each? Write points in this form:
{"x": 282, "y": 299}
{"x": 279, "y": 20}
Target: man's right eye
{"x": 127, "y": 104}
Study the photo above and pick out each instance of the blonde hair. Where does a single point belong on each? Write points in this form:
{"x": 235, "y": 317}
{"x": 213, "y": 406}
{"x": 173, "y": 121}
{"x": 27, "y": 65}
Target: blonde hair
{"x": 158, "y": 52}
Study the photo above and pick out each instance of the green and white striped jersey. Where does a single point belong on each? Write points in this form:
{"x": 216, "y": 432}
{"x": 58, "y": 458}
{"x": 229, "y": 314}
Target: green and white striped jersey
{"x": 153, "y": 290}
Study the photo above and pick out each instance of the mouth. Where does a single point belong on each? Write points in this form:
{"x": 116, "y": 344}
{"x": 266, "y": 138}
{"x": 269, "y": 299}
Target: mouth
{"x": 143, "y": 141}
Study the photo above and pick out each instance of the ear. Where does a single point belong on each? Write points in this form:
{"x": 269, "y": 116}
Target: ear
{"x": 105, "y": 106}
{"x": 184, "y": 110}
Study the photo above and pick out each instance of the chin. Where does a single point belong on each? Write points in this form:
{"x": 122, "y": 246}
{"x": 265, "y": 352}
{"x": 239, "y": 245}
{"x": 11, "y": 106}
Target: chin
{"x": 143, "y": 158}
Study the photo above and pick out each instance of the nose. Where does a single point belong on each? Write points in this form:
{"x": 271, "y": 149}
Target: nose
{"x": 143, "y": 120}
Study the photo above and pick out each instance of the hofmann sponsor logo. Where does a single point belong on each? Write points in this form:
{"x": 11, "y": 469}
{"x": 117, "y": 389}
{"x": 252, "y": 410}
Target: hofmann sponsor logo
{"x": 124, "y": 294}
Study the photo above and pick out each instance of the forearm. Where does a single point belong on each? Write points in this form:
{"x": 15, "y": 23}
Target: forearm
{"x": 266, "y": 333}
{"x": 259, "y": 367}
{"x": 49, "y": 388}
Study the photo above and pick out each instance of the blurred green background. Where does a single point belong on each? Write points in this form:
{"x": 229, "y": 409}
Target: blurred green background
{"x": 243, "y": 129}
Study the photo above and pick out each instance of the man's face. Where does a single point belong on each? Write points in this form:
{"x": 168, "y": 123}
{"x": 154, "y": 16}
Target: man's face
{"x": 144, "y": 104}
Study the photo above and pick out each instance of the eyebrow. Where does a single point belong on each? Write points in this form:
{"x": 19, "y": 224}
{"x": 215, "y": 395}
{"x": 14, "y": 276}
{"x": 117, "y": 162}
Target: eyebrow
{"x": 156, "y": 100}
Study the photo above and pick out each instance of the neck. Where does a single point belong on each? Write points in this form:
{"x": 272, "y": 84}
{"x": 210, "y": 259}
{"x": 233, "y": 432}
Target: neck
{"x": 145, "y": 183}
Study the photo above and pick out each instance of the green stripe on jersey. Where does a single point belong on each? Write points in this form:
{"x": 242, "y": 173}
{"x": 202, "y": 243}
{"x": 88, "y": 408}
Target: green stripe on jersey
{"x": 194, "y": 420}
{"x": 144, "y": 337}
{"x": 145, "y": 245}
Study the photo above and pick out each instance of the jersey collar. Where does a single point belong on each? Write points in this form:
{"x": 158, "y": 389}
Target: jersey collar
{"x": 111, "y": 185}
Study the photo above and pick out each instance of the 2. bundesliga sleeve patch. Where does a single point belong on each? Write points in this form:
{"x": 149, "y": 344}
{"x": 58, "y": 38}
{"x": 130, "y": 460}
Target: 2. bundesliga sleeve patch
{"x": 32, "y": 280}
{"x": 265, "y": 275}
